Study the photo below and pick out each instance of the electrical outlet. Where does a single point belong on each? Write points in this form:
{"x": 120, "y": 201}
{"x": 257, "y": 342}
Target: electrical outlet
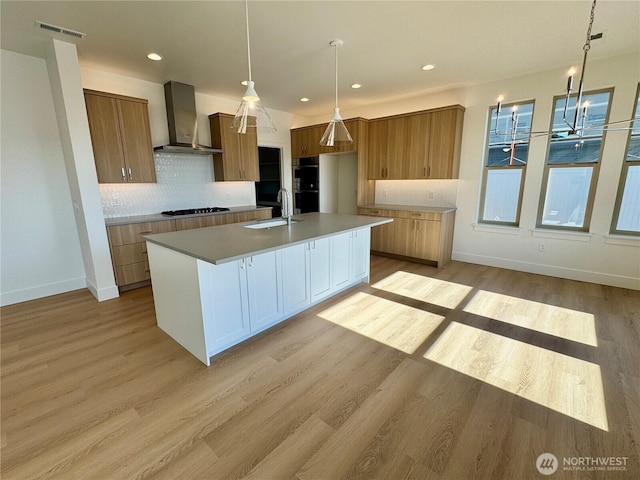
{"x": 385, "y": 193}
{"x": 542, "y": 247}
{"x": 431, "y": 194}
{"x": 227, "y": 196}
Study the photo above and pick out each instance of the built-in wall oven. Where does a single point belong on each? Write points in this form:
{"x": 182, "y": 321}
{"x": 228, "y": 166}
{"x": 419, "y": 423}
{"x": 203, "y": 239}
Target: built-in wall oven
{"x": 306, "y": 188}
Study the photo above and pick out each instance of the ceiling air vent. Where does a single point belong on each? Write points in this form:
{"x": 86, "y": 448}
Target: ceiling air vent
{"x": 64, "y": 31}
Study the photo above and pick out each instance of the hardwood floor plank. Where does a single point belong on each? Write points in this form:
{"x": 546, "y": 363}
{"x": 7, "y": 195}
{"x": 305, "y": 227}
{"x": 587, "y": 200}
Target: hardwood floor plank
{"x": 53, "y": 459}
{"x": 95, "y": 390}
{"x": 293, "y": 452}
{"x": 335, "y": 458}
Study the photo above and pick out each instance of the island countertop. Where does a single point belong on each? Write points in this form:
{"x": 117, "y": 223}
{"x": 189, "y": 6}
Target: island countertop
{"x": 227, "y": 243}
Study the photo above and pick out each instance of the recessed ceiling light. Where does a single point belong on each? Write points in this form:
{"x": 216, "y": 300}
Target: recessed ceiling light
{"x": 428, "y": 67}
{"x": 356, "y": 85}
{"x": 304, "y": 99}
{"x": 154, "y": 56}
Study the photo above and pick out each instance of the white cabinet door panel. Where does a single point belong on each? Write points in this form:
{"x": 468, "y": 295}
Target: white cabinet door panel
{"x": 264, "y": 286}
{"x": 224, "y": 303}
{"x": 320, "y": 268}
{"x": 295, "y": 281}
{"x": 360, "y": 244}
{"x": 341, "y": 260}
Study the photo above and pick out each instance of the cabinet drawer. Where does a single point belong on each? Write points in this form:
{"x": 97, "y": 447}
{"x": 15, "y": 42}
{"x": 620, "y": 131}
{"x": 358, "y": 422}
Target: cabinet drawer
{"x": 135, "y": 232}
{"x": 419, "y": 215}
{"x": 196, "y": 222}
{"x": 375, "y": 212}
{"x": 127, "y": 254}
{"x": 132, "y": 273}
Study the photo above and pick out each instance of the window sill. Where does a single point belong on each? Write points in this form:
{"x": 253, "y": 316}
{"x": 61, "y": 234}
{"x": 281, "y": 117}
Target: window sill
{"x": 628, "y": 240}
{"x": 501, "y": 229}
{"x": 573, "y": 236}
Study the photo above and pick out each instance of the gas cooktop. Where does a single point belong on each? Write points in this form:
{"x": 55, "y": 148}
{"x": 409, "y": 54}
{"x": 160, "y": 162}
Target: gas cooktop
{"x": 192, "y": 211}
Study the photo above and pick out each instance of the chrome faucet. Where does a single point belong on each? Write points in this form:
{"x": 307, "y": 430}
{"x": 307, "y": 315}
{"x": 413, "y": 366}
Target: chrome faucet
{"x": 284, "y": 197}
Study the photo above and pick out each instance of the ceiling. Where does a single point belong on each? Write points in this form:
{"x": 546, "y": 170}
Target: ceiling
{"x": 385, "y": 43}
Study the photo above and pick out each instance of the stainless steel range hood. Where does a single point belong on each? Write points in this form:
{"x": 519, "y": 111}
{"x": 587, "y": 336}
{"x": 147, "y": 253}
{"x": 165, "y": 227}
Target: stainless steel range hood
{"x": 183, "y": 122}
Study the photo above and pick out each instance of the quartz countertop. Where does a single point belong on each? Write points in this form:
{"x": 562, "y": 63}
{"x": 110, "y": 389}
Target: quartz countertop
{"x": 226, "y": 243}
{"x": 157, "y": 217}
{"x": 410, "y": 208}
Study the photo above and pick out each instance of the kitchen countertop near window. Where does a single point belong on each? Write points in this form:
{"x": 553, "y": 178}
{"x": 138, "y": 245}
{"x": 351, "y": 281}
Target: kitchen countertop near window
{"x": 157, "y": 217}
{"x": 410, "y": 208}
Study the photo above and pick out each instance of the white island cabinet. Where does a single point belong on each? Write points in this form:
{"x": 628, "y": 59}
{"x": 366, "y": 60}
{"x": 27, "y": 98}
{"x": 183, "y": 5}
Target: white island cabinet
{"x": 215, "y": 287}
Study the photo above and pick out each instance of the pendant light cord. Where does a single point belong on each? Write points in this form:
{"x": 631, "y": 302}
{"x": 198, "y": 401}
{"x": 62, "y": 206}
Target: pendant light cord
{"x": 246, "y": 14}
{"x": 336, "y": 59}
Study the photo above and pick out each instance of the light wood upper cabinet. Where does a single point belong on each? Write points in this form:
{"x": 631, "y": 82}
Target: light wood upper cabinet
{"x": 417, "y": 150}
{"x": 419, "y": 145}
{"x": 121, "y": 138}
{"x": 377, "y": 149}
{"x": 445, "y": 138}
{"x": 239, "y": 158}
{"x": 305, "y": 141}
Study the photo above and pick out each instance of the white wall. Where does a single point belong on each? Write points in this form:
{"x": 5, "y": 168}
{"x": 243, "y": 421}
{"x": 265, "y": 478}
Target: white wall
{"x": 595, "y": 257}
{"x": 39, "y": 250}
{"x": 338, "y": 183}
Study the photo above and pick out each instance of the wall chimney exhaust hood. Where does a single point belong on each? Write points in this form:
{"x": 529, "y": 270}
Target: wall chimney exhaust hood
{"x": 180, "y": 99}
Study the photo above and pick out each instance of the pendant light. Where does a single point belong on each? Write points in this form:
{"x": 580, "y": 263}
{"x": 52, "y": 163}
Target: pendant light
{"x": 251, "y": 115}
{"x": 336, "y": 132}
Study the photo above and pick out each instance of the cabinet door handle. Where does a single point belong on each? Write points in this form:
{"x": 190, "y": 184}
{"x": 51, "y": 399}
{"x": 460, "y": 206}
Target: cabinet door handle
{"x": 146, "y": 232}
{"x": 429, "y": 171}
{"x": 416, "y": 214}
{"x": 124, "y": 175}
{"x": 130, "y": 175}
{"x": 242, "y": 264}
{"x": 425, "y": 171}
{"x": 417, "y": 225}
{"x": 375, "y": 212}
{"x": 251, "y": 261}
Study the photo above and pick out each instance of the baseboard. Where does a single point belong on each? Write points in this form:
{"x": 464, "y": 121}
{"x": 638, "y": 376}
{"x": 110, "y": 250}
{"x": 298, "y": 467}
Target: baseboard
{"x": 102, "y": 294}
{"x": 40, "y": 291}
{"x": 550, "y": 270}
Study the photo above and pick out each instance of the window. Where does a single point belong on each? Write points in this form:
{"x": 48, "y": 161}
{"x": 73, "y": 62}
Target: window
{"x": 626, "y": 216}
{"x": 571, "y": 172}
{"x": 505, "y": 164}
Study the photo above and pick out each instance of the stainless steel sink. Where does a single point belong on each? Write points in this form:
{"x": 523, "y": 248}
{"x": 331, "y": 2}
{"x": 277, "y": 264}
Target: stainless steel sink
{"x": 278, "y": 222}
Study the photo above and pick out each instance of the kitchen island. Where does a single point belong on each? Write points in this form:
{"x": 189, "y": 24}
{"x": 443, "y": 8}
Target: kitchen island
{"x": 215, "y": 287}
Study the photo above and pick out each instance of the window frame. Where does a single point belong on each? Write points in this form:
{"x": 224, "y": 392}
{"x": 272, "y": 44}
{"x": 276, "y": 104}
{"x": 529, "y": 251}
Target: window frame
{"x": 595, "y": 174}
{"x": 486, "y": 168}
{"x": 626, "y": 163}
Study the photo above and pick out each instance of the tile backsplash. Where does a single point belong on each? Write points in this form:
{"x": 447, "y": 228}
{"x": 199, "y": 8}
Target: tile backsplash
{"x": 183, "y": 181}
{"x": 423, "y": 193}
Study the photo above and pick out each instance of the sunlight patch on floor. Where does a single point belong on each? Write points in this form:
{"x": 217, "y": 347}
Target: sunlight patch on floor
{"x": 557, "y": 321}
{"x": 437, "y": 292}
{"x": 562, "y": 383}
{"x": 399, "y": 326}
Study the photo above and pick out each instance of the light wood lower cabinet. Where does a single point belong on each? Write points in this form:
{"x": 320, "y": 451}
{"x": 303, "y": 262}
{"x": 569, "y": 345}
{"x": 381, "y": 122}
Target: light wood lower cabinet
{"x": 424, "y": 236}
{"x": 129, "y": 249}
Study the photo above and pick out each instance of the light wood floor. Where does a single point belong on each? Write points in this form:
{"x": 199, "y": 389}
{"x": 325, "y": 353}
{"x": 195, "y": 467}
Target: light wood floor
{"x": 466, "y": 372}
